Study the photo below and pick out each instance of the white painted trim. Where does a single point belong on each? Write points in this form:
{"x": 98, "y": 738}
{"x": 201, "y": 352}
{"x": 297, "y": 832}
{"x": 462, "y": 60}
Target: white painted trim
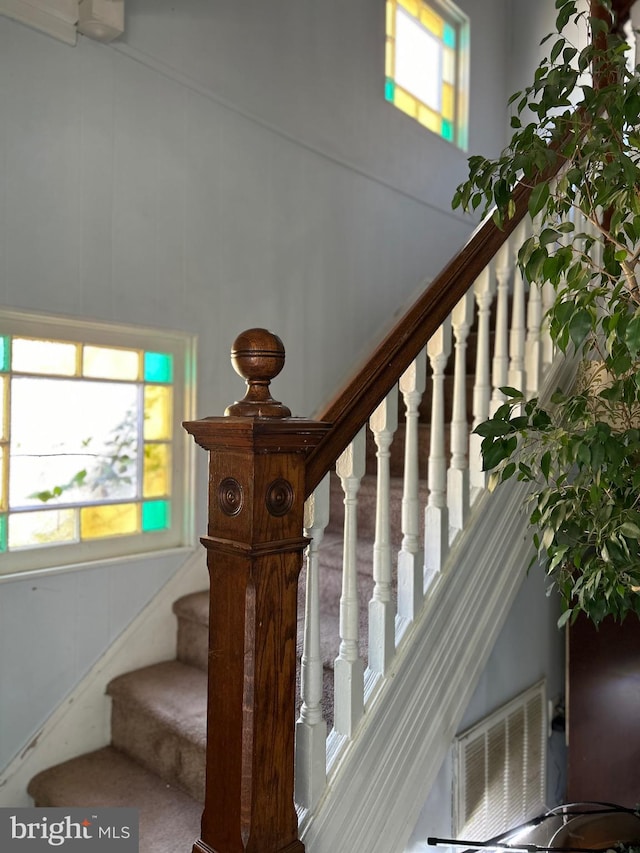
{"x": 82, "y": 722}
{"x": 381, "y": 778}
{"x": 56, "y": 18}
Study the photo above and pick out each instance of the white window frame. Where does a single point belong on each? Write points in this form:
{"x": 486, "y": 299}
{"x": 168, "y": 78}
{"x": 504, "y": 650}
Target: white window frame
{"x": 179, "y": 535}
{"x": 460, "y": 22}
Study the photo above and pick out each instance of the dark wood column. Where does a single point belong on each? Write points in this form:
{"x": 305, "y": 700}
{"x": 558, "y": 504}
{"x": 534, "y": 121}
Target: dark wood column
{"x": 254, "y": 548}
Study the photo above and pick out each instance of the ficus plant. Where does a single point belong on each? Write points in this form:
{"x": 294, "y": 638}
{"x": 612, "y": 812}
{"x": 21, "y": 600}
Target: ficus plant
{"x": 580, "y": 451}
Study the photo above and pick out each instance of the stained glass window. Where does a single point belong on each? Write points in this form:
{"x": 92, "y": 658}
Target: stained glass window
{"x": 425, "y": 64}
{"x": 92, "y": 457}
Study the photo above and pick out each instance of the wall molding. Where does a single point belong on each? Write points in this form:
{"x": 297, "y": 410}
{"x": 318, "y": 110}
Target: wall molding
{"x": 57, "y": 18}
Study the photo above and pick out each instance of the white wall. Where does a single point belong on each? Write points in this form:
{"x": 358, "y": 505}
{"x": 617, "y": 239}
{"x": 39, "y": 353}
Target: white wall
{"x": 223, "y": 165}
{"x": 529, "y": 647}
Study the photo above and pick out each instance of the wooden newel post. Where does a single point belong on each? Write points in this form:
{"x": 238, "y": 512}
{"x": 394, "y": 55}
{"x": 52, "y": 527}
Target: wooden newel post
{"x": 254, "y": 548}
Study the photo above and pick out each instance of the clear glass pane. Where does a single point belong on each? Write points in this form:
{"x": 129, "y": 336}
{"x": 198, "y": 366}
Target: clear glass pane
{"x": 110, "y": 363}
{"x": 55, "y": 358}
{"x": 43, "y": 527}
{"x": 155, "y": 515}
{"x": 4, "y": 407}
{"x": 96, "y": 522}
{"x": 158, "y": 367}
{"x": 418, "y": 61}
{"x": 72, "y": 441}
{"x": 3, "y": 477}
{"x": 448, "y": 66}
{"x": 157, "y": 412}
{"x": 157, "y": 470}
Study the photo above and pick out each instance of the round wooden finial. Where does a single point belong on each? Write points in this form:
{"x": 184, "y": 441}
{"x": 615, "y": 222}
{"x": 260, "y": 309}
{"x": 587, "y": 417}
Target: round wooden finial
{"x": 258, "y": 356}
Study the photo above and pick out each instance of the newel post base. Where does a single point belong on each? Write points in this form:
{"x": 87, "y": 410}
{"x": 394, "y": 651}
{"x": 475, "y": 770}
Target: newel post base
{"x": 254, "y": 549}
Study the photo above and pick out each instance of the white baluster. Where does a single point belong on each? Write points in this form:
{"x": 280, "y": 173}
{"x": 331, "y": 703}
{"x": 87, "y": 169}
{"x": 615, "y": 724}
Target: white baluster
{"x": 410, "y": 557}
{"x": 458, "y": 474}
{"x": 311, "y": 728}
{"x": 533, "y": 347}
{"x": 548, "y": 296}
{"x": 348, "y": 670}
{"x": 484, "y": 291}
{"x": 500, "y": 364}
{"x": 517, "y": 333}
{"x": 436, "y": 516}
{"x": 383, "y": 423}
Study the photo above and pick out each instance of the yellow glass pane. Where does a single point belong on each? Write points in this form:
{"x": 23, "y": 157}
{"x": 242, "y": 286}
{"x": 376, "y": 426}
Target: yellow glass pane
{"x": 96, "y": 522}
{"x": 405, "y": 102}
{"x": 157, "y": 470}
{"x": 448, "y": 102}
{"x": 157, "y": 412}
{"x": 391, "y": 18}
{"x": 49, "y": 526}
{"x": 389, "y": 59}
{"x": 429, "y": 118}
{"x": 432, "y": 21}
{"x": 37, "y": 356}
{"x": 411, "y": 6}
{"x": 111, "y": 363}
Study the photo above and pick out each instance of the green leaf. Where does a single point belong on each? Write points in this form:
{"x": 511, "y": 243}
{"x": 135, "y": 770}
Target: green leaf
{"x": 539, "y": 197}
{"x": 628, "y": 528}
{"x": 579, "y": 326}
{"x": 632, "y": 336}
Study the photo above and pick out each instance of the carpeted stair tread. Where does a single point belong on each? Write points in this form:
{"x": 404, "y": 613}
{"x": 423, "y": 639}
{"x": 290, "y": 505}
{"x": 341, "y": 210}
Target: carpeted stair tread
{"x": 169, "y": 818}
{"x": 176, "y": 695}
{"x": 158, "y": 717}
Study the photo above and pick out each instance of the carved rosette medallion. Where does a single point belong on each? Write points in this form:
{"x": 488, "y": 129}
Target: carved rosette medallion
{"x": 279, "y": 497}
{"x": 230, "y": 496}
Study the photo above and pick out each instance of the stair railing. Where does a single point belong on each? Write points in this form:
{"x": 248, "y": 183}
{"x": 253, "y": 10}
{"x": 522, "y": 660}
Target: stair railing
{"x": 264, "y": 464}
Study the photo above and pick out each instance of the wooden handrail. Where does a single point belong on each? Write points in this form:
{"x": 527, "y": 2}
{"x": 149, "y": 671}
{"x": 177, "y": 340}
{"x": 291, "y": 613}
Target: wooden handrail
{"x": 350, "y": 408}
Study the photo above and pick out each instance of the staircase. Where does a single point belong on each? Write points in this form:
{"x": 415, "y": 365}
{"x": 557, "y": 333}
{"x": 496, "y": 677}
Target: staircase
{"x": 406, "y": 584}
{"x": 156, "y": 758}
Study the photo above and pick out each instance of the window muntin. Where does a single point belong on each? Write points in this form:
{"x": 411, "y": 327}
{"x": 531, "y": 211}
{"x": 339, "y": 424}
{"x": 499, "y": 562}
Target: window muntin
{"x": 93, "y": 460}
{"x": 426, "y": 65}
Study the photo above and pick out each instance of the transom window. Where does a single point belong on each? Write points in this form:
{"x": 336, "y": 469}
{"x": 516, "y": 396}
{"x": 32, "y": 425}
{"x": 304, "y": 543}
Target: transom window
{"x": 92, "y": 456}
{"x": 426, "y": 65}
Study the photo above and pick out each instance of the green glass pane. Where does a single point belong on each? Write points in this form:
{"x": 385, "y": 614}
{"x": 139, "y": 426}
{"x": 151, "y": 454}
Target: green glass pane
{"x": 5, "y": 351}
{"x": 449, "y": 36}
{"x": 3, "y": 533}
{"x": 389, "y": 89}
{"x": 447, "y": 130}
{"x": 155, "y": 515}
{"x": 158, "y": 367}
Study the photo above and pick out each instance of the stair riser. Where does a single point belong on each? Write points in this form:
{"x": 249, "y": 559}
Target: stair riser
{"x": 193, "y": 641}
{"x": 174, "y": 759}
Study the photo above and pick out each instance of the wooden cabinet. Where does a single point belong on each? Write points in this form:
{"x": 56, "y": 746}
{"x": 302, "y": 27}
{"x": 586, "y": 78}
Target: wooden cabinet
{"x": 603, "y": 711}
